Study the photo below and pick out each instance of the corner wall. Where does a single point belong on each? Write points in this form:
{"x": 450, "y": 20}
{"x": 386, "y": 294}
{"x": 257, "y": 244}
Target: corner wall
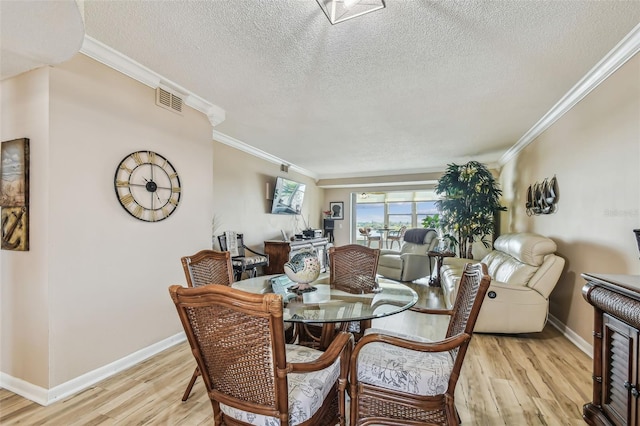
{"x": 24, "y": 279}
{"x": 242, "y": 197}
{"x": 93, "y": 288}
{"x": 594, "y": 151}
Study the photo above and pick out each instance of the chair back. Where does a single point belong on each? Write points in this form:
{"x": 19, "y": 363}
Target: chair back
{"x": 225, "y": 245}
{"x": 399, "y": 233}
{"x": 208, "y": 267}
{"x": 238, "y": 340}
{"x": 473, "y": 286}
{"x": 353, "y": 268}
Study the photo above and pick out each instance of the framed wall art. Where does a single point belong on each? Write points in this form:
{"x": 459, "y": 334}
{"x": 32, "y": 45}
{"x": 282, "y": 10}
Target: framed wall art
{"x": 14, "y": 194}
{"x": 337, "y": 210}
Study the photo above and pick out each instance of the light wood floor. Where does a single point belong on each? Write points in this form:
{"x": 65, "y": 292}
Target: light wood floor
{"x": 534, "y": 379}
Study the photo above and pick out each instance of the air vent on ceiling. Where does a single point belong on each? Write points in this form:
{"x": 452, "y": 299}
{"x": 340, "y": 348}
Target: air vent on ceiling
{"x": 168, "y": 100}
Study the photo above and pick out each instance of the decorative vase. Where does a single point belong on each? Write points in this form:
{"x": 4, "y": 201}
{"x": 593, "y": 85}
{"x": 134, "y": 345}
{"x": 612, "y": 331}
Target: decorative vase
{"x": 303, "y": 268}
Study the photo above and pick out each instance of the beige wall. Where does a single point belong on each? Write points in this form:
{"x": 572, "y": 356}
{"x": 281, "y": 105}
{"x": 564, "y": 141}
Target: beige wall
{"x": 24, "y": 279}
{"x": 93, "y": 287}
{"x": 594, "y": 151}
{"x": 242, "y": 201}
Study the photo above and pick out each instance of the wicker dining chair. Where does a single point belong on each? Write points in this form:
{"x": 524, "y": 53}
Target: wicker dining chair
{"x": 353, "y": 269}
{"x": 206, "y": 267}
{"x": 251, "y": 376}
{"x": 400, "y": 379}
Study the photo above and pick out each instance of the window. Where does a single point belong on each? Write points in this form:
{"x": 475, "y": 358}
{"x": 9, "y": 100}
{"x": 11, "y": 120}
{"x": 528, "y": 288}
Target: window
{"x": 424, "y": 209}
{"x": 394, "y": 209}
{"x": 369, "y": 215}
{"x": 399, "y": 214}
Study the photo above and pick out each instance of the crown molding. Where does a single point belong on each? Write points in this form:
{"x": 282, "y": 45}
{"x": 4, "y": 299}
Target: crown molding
{"x": 127, "y": 66}
{"x": 235, "y": 143}
{"x": 380, "y": 184}
{"x": 621, "y": 53}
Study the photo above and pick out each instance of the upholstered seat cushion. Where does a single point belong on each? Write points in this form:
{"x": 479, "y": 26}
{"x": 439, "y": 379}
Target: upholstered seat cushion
{"x": 391, "y": 367}
{"x": 249, "y": 260}
{"x": 307, "y": 391}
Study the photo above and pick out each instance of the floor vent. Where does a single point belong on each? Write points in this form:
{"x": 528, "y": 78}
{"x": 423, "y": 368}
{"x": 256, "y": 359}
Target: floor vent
{"x": 168, "y": 100}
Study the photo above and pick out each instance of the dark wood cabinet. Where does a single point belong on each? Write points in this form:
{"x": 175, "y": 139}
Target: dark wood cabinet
{"x": 616, "y": 349}
{"x": 281, "y": 251}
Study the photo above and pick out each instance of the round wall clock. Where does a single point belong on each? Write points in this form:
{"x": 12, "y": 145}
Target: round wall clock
{"x": 147, "y": 186}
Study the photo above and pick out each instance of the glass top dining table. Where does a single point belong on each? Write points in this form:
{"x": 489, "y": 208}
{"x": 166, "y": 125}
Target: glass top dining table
{"x": 328, "y": 306}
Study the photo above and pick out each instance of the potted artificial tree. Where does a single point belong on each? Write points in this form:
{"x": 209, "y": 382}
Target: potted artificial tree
{"x": 470, "y": 200}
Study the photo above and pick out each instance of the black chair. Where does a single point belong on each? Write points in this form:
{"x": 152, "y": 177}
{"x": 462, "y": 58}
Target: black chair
{"x": 242, "y": 262}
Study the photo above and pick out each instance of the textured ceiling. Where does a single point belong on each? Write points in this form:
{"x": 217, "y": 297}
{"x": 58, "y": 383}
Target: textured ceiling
{"x": 408, "y": 88}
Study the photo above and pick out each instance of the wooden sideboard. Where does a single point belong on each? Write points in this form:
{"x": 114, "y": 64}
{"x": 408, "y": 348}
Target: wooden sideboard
{"x": 281, "y": 251}
{"x": 616, "y": 349}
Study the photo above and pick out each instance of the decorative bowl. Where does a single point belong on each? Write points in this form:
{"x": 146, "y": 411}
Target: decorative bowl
{"x": 303, "y": 268}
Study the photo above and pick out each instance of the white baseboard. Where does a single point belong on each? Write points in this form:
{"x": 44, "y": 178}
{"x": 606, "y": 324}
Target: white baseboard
{"x": 573, "y": 337}
{"x": 25, "y": 389}
{"x": 45, "y": 397}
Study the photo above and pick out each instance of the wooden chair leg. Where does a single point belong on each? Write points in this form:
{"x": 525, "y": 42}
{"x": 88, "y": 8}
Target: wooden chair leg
{"x": 195, "y": 375}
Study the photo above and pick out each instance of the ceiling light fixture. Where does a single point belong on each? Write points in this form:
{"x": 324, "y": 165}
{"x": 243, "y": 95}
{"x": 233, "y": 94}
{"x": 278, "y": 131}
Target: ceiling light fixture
{"x": 342, "y": 10}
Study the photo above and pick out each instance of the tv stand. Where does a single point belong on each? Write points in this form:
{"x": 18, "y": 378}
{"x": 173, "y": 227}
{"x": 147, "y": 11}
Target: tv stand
{"x": 281, "y": 251}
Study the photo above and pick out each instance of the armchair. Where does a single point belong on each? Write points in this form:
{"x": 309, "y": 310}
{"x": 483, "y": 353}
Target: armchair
{"x": 251, "y": 376}
{"x": 411, "y": 261}
{"x": 400, "y": 379}
{"x": 234, "y": 243}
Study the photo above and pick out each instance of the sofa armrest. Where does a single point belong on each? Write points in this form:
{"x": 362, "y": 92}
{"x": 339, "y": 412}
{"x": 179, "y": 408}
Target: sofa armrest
{"x": 458, "y": 262}
{"x": 415, "y": 266}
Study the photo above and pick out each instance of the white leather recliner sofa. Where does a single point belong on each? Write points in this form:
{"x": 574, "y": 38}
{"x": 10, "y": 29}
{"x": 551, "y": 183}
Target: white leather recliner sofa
{"x": 411, "y": 262}
{"x": 524, "y": 269}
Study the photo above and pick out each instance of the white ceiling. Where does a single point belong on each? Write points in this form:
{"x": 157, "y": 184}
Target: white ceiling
{"x": 37, "y": 33}
{"x": 405, "y": 89}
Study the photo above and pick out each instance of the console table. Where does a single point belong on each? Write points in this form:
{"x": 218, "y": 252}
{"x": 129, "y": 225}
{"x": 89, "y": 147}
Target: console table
{"x": 281, "y": 251}
{"x": 616, "y": 349}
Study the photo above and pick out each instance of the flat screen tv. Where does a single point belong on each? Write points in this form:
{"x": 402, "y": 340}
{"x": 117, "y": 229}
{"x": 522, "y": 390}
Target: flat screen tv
{"x": 287, "y": 196}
